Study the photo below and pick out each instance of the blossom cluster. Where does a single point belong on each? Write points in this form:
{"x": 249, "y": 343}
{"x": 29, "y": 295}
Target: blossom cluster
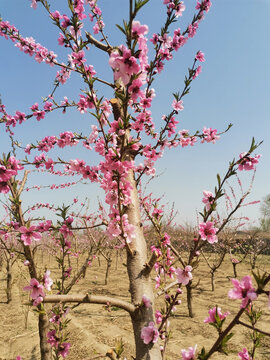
{"x": 28, "y": 45}
{"x": 37, "y": 289}
{"x": 7, "y": 170}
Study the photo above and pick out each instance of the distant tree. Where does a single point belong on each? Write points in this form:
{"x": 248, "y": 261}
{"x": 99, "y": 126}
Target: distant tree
{"x": 265, "y": 211}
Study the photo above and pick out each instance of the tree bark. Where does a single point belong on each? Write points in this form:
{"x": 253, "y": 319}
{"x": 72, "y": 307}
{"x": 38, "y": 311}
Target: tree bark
{"x": 189, "y": 300}
{"x": 109, "y": 263}
{"x": 43, "y": 322}
{"x": 212, "y": 281}
{"x": 43, "y": 327}
{"x": 139, "y": 281}
{"x": 9, "y": 281}
{"x": 234, "y": 270}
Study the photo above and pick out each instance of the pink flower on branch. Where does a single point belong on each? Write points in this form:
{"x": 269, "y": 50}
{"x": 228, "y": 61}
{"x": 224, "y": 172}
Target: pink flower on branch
{"x": 47, "y": 280}
{"x": 146, "y": 301}
{"x": 184, "y": 276}
{"x": 208, "y": 232}
{"x": 208, "y": 199}
{"x": 37, "y": 289}
{"x": 213, "y": 313}
{"x": 244, "y": 355}
{"x": 210, "y": 135}
{"x": 200, "y": 56}
{"x": 178, "y": 105}
{"x": 243, "y": 290}
{"x": 78, "y": 58}
{"x": 63, "y": 349}
{"x": 189, "y": 354}
{"x": 34, "y": 4}
{"x": 29, "y": 234}
{"x": 52, "y": 339}
{"x": 150, "y": 333}
{"x": 138, "y": 29}
{"x": 4, "y": 188}
{"x": 123, "y": 64}
{"x": 247, "y": 162}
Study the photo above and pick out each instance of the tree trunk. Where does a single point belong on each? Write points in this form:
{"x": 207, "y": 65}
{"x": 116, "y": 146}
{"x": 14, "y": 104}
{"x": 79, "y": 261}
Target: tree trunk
{"x": 139, "y": 281}
{"x": 189, "y": 300}
{"x": 212, "y": 281}
{"x": 109, "y": 263}
{"x": 43, "y": 327}
{"x": 43, "y": 322}
{"x": 234, "y": 270}
{"x": 9, "y": 281}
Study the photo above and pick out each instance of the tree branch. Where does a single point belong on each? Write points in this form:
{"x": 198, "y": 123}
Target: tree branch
{"x": 91, "y": 299}
{"x": 98, "y": 44}
{"x": 253, "y": 328}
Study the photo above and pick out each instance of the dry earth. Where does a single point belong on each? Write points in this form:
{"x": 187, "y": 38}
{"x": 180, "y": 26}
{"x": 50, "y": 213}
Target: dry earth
{"x": 94, "y": 330}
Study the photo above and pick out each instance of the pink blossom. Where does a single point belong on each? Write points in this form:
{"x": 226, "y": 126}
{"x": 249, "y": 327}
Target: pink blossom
{"x": 180, "y": 9}
{"x": 243, "y": 290}
{"x": 4, "y": 188}
{"x": 6, "y": 174}
{"x": 27, "y": 234}
{"x": 158, "y": 317}
{"x": 44, "y": 226}
{"x": 208, "y": 232}
{"x": 78, "y": 58}
{"x": 26, "y": 263}
{"x": 200, "y": 56}
{"x": 135, "y": 89}
{"x": 189, "y": 354}
{"x": 123, "y": 64}
{"x": 19, "y": 358}
{"x": 36, "y": 289}
{"x": 67, "y": 272}
{"x": 146, "y": 301}
{"x": 138, "y": 29}
{"x": 208, "y": 199}
{"x": 212, "y": 315}
{"x": 150, "y": 333}
{"x": 177, "y": 105}
{"x": 197, "y": 72}
{"x": 65, "y": 231}
{"x": 247, "y": 162}
{"x": 34, "y": 4}
{"x": 63, "y": 349}
{"x": 47, "y": 280}
{"x": 52, "y": 339}
{"x": 38, "y": 301}
{"x": 184, "y": 276}
{"x": 210, "y": 135}
{"x": 19, "y": 117}
{"x": 244, "y": 355}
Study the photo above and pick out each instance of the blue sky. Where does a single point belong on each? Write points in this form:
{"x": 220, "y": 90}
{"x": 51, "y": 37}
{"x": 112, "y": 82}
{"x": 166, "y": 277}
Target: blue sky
{"x": 232, "y": 88}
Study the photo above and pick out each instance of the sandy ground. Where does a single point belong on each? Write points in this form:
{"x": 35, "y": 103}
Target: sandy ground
{"x": 94, "y": 330}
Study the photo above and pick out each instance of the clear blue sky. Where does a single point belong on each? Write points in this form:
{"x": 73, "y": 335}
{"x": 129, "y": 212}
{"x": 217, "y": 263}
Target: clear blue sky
{"x": 232, "y": 88}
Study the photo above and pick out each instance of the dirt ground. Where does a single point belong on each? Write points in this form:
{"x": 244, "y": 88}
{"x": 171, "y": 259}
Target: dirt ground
{"x": 94, "y": 330}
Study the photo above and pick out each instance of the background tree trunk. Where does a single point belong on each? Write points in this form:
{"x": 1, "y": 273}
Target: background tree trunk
{"x": 189, "y": 300}
{"x": 9, "y": 281}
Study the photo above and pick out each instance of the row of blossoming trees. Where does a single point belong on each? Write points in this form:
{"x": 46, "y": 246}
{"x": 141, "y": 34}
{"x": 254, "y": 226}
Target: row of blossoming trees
{"x": 122, "y": 131}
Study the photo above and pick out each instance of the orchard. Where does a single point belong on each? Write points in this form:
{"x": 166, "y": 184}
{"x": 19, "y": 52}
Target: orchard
{"x": 102, "y": 87}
